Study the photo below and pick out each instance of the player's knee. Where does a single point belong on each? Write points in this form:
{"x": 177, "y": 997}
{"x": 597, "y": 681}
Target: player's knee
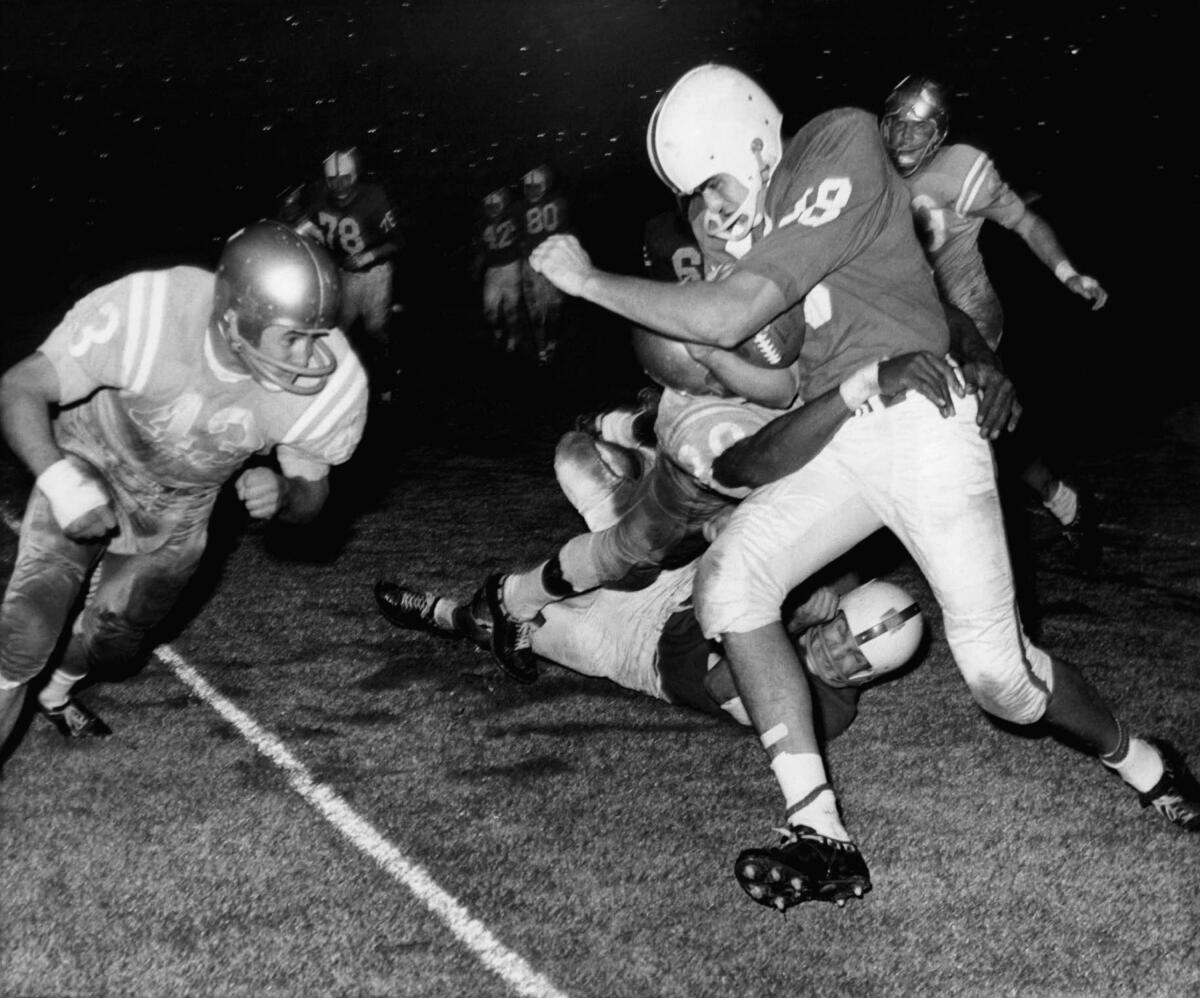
{"x": 1008, "y": 677}
{"x": 109, "y": 637}
{"x": 596, "y": 476}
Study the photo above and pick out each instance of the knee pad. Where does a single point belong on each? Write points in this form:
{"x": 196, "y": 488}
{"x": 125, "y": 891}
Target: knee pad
{"x": 598, "y": 477}
{"x": 1007, "y": 675}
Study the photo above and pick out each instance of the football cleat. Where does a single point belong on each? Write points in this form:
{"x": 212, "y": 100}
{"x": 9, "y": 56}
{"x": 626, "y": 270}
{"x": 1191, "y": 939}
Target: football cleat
{"x": 804, "y": 866}
{"x": 510, "y": 638}
{"x": 1177, "y": 795}
{"x": 406, "y": 608}
{"x": 74, "y": 720}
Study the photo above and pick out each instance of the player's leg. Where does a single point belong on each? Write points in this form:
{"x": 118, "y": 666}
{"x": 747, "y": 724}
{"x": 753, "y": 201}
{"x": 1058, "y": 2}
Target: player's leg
{"x": 42, "y": 590}
{"x": 948, "y": 516}
{"x": 778, "y": 537}
{"x": 375, "y": 295}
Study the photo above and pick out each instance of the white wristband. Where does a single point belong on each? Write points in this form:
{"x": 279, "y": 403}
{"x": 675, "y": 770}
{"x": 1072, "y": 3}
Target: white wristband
{"x": 1064, "y": 271}
{"x": 860, "y": 386}
{"x": 70, "y": 491}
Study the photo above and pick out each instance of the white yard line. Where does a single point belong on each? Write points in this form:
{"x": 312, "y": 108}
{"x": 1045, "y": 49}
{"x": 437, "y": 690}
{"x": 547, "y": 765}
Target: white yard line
{"x": 471, "y": 932}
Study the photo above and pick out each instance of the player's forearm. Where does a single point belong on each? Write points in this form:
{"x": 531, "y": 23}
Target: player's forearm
{"x": 1042, "y": 240}
{"x": 302, "y": 499}
{"x": 694, "y": 312}
{"x": 967, "y": 345}
{"x": 784, "y": 445}
{"x": 769, "y": 386}
{"x": 25, "y": 420}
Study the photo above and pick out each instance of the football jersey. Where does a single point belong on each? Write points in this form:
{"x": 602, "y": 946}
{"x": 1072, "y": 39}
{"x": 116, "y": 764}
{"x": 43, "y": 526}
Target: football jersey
{"x": 499, "y": 239}
{"x": 146, "y": 401}
{"x": 670, "y": 251}
{"x": 838, "y": 241}
{"x": 346, "y": 229}
{"x": 542, "y": 219}
{"x": 952, "y": 195}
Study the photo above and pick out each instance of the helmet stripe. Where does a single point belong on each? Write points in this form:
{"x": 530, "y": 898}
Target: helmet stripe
{"x": 892, "y": 622}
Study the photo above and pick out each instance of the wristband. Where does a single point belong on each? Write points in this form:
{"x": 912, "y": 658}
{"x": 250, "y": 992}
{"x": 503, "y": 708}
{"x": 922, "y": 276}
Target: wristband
{"x": 70, "y": 491}
{"x": 860, "y": 386}
{"x": 1064, "y": 271}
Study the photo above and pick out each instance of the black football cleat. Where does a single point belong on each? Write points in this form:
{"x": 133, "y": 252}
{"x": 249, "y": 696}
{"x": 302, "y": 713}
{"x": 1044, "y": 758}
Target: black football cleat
{"x": 804, "y": 866}
{"x": 1177, "y": 795}
{"x": 74, "y": 720}
{"x": 405, "y": 607}
{"x": 510, "y": 638}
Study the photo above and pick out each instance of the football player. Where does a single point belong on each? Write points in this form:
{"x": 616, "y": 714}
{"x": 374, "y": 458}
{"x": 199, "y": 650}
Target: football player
{"x": 150, "y": 395}
{"x": 545, "y": 211}
{"x": 821, "y": 225}
{"x": 648, "y": 639}
{"x": 498, "y": 262}
{"x": 355, "y": 221}
{"x": 954, "y": 190}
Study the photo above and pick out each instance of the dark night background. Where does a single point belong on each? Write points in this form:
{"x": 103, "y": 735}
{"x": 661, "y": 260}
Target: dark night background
{"x": 143, "y": 133}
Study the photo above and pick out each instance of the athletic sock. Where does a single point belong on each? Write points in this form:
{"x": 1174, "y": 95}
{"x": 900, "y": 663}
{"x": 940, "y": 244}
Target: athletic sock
{"x": 443, "y": 613}
{"x": 57, "y": 692}
{"x": 524, "y": 594}
{"x": 807, "y": 793}
{"x": 1136, "y": 761}
{"x": 1063, "y": 503}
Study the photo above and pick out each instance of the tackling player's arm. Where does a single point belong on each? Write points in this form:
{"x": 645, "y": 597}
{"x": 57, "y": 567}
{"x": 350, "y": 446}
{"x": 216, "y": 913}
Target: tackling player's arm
{"x": 790, "y": 441}
{"x": 718, "y": 313}
{"x": 78, "y": 499}
{"x": 999, "y": 409}
{"x": 1041, "y": 239}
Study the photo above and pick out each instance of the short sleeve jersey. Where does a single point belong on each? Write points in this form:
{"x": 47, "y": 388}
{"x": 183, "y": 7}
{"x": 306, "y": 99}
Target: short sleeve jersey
{"x": 838, "y": 241}
{"x": 499, "y": 239}
{"x": 145, "y": 400}
{"x": 363, "y": 224}
{"x": 669, "y": 250}
{"x": 952, "y": 196}
{"x": 542, "y": 219}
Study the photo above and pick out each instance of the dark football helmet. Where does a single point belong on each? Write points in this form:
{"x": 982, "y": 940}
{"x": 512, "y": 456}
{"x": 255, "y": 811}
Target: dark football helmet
{"x": 342, "y": 167}
{"x": 495, "y": 202}
{"x": 270, "y": 276}
{"x": 536, "y": 182}
{"x": 916, "y": 118}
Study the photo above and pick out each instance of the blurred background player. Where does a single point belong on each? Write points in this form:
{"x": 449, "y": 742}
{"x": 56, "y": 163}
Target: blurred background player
{"x": 497, "y": 261}
{"x": 150, "y": 394}
{"x": 355, "y": 220}
{"x": 955, "y": 189}
{"x": 545, "y": 212}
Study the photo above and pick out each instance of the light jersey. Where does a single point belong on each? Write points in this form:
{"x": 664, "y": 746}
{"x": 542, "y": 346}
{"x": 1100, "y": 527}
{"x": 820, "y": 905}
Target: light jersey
{"x": 838, "y": 241}
{"x": 542, "y": 219}
{"x": 146, "y": 402}
{"x": 346, "y": 229}
{"x": 952, "y": 195}
{"x": 500, "y": 238}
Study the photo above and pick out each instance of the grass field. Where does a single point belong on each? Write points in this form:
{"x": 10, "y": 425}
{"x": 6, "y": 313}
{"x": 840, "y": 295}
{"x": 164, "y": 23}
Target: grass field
{"x": 301, "y": 800}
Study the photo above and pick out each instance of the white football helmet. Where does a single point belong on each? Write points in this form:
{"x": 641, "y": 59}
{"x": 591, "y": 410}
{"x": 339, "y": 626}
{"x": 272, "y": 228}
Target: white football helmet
{"x": 877, "y": 629}
{"x": 714, "y": 120}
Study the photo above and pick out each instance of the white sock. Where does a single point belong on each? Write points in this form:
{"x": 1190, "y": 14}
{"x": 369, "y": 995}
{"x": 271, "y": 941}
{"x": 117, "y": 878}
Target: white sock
{"x": 523, "y": 594}
{"x": 58, "y": 691}
{"x": 1064, "y": 503}
{"x": 807, "y": 793}
{"x": 443, "y": 613}
{"x": 1141, "y": 767}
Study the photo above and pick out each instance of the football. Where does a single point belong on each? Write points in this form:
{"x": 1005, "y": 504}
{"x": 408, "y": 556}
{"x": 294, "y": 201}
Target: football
{"x": 773, "y": 345}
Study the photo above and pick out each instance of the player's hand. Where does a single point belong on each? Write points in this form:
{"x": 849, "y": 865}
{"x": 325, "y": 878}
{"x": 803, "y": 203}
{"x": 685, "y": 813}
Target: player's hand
{"x": 93, "y": 525}
{"x": 563, "y": 262}
{"x": 924, "y": 372}
{"x": 999, "y": 407}
{"x": 261, "y": 492}
{"x": 1089, "y": 288}
{"x": 821, "y": 606}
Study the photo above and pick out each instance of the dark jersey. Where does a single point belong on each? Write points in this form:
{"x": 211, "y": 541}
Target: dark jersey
{"x": 838, "y": 241}
{"x": 548, "y": 217}
{"x": 670, "y": 251}
{"x": 364, "y": 223}
{"x": 499, "y": 239}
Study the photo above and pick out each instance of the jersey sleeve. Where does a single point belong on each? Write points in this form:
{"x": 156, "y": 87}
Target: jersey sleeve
{"x": 984, "y": 194}
{"x": 110, "y": 337}
{"x": 331, "y": 426}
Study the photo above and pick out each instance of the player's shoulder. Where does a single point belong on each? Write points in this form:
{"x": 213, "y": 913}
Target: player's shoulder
{"x": 842, "y": 143}
{"x": 149, "y": 293}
